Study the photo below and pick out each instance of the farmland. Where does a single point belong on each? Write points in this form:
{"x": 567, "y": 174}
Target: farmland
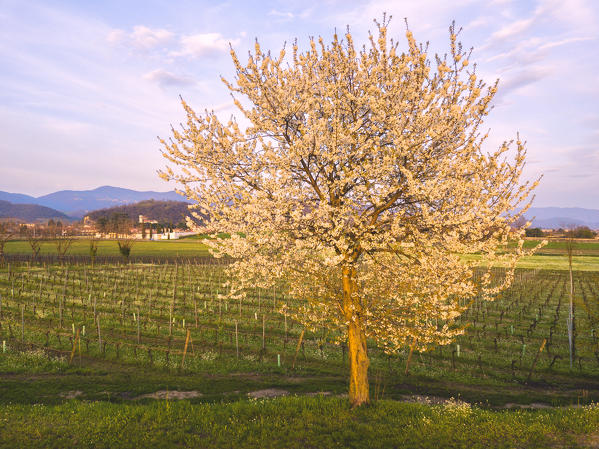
{"x": 109, "y": 248}
{"x": 123, "y": 335}
{"x": 551, "y": 256}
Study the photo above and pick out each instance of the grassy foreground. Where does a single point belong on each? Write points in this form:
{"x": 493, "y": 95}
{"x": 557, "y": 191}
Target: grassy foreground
{"x": 302, "y": 422}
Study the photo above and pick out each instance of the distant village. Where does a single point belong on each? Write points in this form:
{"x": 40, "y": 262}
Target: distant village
{"x": 145, "y": 228}
{"x": 144, "y": 220}
{"x": 118, "y": 226}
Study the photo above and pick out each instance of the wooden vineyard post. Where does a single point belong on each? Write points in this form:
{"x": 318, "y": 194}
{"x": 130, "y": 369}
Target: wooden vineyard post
{"x": 299, "y": 344}
{"x": 195, "y": 308}
{"x": 236, "y": 340}
{"x": 536, "y": 359}
{"x": 285, "y": 341}
{"x": 410, "y": 356}
{"x": 138, "y": 329}
{"x": 75, "y": 347}
{"x": 99, "y": 334}
{"x": 22, "y": 323}
{"x": 185, "y": 348}
{"x": 172, "y": 309}
{"x": 64, "y": 295}
{"x": 263, "y": 333}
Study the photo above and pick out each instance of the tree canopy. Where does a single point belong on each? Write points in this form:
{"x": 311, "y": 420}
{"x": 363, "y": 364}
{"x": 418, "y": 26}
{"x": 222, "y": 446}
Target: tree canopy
{"x": 358, "y": 182}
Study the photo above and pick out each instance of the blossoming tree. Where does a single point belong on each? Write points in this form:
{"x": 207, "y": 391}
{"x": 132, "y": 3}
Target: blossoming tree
{"x": 358, "y": 181}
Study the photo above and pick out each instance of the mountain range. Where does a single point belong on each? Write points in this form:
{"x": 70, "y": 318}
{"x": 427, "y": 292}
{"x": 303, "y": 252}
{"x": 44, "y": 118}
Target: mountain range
{"x": 77, "y": 203}
{"x": 563, "y": 217}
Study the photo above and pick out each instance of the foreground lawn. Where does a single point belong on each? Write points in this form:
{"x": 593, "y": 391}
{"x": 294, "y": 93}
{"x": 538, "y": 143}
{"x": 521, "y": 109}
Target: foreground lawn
{"x": 293, "y": 422}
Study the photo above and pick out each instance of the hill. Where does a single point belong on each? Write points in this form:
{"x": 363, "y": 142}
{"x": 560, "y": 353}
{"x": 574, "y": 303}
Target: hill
{"x": 161, "y": 211}
{"x": 28, "y": 212}
{"x": 17, "y": 198}
{"x": 77, "y": 203}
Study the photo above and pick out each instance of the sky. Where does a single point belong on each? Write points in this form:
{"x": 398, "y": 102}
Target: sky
{"x": 88, "y": 86}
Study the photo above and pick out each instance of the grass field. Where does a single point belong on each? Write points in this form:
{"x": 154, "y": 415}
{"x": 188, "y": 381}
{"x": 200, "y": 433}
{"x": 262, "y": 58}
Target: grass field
{"x": 551, "y": 256}
{"x": 172, "y": 248}
{"x": 552, "y": 262}
{"x": 120, "y": 387}
{"x": 558, "y": 247}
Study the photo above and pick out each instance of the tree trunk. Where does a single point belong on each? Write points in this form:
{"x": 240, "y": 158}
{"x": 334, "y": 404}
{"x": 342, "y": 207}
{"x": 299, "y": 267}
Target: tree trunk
{"x": 358, "y": 355}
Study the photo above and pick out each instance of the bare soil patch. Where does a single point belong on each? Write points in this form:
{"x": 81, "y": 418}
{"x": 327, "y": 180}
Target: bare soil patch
{"x": 267, "y": 393}
{"x": 170, "y": 394}
{"x": 71, "y": 394}
{"x": 533, "y": 405}
{"x": 429, "y": 400}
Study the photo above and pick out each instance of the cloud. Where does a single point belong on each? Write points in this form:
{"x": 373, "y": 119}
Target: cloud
{"x": 116, "y": 36}
{"x": 164, "y": 78}
{"x": 204, "y": 45}
{"x": 478, "y": 22}
{"x": 573, "y": 14}
{"x": 142, "y": 37}
{"x": 65, "y": 126}
{"x": 145, "y": 37}
{"x": 523, "y": 78}
{"x": 512, "y": 30}
{"x": 281, "y": 14}
{"x": 533, "y": 49}
{"x": 564, "y": 42}
{"x": 526, "y": 52}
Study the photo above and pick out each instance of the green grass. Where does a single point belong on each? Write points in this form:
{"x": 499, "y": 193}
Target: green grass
{"x": 581, "y": 247}
{"x": 183, "y": 248}
{"x": 292, "y": 423}
{"x": 550, "y": 257}
{"x": 492, "y": 368}
{"x": 552, "y": 262}
{"x": 494, "y": 362}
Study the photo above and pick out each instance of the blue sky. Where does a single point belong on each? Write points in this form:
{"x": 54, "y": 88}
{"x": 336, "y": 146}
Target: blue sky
{"x": 88, "y": 85}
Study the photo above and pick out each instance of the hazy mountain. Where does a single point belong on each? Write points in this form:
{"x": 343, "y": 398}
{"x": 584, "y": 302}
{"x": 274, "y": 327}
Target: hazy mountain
{"x": 28, "y": 212}
{"x": 76, "y": 203}
{"x": 563, "y": 217}
{"x": 17, "y": 198}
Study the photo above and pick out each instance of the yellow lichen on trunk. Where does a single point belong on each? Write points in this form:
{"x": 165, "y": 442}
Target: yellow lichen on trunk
{"x": 356, "y": 341}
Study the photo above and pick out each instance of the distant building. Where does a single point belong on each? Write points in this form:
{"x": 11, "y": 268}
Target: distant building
{"x": 144, "y": 219}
